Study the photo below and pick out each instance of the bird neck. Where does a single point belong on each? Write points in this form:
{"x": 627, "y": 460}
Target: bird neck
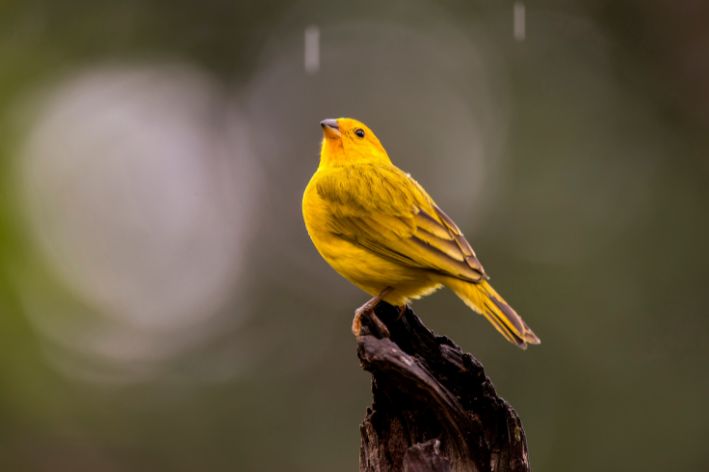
{"x": 334, "y": 154}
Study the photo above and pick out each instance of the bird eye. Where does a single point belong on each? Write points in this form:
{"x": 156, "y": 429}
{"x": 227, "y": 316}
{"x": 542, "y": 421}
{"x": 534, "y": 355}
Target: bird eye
{"x": 359, "y": 132}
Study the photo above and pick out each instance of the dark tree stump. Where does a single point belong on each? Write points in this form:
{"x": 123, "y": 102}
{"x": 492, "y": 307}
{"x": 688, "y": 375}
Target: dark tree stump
{"x": 434, "y": 409}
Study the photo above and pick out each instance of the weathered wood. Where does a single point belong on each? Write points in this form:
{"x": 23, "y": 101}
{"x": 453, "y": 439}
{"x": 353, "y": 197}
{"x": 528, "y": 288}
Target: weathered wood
{"x": 434, "y": 409}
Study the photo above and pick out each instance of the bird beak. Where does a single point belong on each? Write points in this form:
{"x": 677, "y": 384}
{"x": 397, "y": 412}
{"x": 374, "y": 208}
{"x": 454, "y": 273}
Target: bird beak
{"x": 330, "y": 128}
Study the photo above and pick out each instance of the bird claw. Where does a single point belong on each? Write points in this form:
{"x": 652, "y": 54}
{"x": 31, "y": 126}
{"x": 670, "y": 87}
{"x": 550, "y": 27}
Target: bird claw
{"x": 368, "y": 310}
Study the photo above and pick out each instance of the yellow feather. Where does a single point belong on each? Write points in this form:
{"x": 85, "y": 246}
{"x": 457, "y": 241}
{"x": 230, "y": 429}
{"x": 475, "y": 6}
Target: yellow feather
{"x": 378, "y": 228}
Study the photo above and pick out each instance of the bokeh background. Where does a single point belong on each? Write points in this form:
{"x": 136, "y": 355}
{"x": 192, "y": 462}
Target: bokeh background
{"x": 161, "y": 307}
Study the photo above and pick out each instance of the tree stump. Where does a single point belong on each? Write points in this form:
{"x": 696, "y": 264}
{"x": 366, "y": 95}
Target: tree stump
{"x": 433, "y": 409}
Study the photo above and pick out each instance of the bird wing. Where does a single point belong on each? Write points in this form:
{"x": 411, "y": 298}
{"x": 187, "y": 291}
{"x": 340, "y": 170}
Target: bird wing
{"x": 387, "y": 212}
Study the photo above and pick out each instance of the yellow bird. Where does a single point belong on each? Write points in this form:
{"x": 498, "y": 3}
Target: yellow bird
{"x": 379, "y": 229}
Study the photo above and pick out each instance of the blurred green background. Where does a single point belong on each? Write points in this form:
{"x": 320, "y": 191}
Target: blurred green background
{"x": 161, "y": 307}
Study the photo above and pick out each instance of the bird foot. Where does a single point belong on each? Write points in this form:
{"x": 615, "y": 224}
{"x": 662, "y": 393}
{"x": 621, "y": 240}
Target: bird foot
{"x": 368, "y": 310}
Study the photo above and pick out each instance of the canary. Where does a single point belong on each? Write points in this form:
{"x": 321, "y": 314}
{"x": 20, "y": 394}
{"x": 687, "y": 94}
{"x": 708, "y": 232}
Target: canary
{"x": 379, "y": 229}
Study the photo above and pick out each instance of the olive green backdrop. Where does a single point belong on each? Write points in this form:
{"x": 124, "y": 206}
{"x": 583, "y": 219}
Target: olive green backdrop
{"x": 161, "y": 307}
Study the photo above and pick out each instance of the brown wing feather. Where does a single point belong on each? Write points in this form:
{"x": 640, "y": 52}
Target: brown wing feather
{"x": 463, "y": 243}
{"x": 442, "y": 235}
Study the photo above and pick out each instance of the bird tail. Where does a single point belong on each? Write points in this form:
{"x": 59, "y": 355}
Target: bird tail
{"x": 483, "y": 299}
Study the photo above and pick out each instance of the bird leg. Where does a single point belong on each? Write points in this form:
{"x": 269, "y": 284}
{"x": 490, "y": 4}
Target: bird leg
{"x": 402, "y": 310}
{"x": 368, "y": 310}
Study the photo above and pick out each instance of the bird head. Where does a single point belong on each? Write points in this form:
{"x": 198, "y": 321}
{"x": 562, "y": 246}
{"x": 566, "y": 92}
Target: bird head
{"x": 348, "y": 141}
